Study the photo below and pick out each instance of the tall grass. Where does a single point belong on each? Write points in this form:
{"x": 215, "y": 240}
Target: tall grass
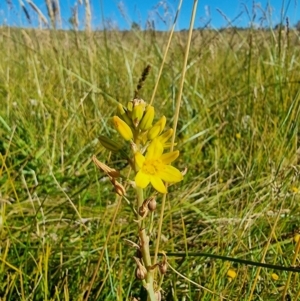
{"x": 238, "y": 136}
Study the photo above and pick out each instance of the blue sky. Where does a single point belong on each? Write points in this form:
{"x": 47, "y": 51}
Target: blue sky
{"x": 121, "y": 14}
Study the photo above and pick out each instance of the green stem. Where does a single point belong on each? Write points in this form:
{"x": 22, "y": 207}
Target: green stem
{"x": 145, "y": 249}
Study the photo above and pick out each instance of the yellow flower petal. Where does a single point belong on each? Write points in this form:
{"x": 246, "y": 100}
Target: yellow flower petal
{"x": 157, "y": 128}
{"x": 154, "y": 150}
{"x": 158, "y": 184}
{"x": 139, "y": 159}
{"x": 163, "y": 138}
{"x": 170, "y": 174}
{"x": 141, "y": 179}
{"x": 169, "y": 157}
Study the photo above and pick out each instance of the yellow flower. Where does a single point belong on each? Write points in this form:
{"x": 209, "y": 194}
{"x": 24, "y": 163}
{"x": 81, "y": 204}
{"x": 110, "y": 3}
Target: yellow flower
{"x": 296, "y": 237}
{"x": 231, "y": 274}
{"x": 154, "y": 168}
{"x": 274, "y": 276}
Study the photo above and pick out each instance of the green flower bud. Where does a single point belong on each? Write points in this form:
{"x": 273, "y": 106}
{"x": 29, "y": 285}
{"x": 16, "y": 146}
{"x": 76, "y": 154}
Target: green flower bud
{"x": 130, "y": 106}
{"x": 109, "y": 144}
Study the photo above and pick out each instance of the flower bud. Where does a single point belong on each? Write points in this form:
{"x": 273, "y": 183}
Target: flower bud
{"x": 123, "y": 128}
{"x": 137, "y": 114}
{"x": 109, "y": 144}
{"x": 157, "y": 128}
{"x": 124, "y": 114}
{"x": 120, "y": 109}
{"x": 130, "y": 106}
{"x": 147, "y": 120}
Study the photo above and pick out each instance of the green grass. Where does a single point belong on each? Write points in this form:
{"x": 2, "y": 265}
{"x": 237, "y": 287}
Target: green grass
{"x": 238, "y": 137}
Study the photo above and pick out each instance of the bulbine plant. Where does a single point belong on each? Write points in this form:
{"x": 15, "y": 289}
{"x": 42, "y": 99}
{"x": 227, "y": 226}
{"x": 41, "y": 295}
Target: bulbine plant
{"x": 150, "y": 159}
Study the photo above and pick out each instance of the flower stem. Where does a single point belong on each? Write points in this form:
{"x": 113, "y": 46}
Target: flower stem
{"x": 145, "y": 249}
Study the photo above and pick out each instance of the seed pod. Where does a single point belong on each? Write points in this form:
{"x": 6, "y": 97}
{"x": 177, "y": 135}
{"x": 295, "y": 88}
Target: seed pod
{"x": 119, "y": 188}
{"x": 158, "y": 295}
{"x": 140, "y": 274}
{"x": 143, "y": 210}
{"x": 152, "y": 204}
{"x": 163, "y": 267}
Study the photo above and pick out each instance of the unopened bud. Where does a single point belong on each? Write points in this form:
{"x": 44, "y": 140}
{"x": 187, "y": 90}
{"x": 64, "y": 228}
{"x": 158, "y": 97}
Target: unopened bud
{"x": 137, "y": 114}
{"x": 120, "y": 109}
{"x": 109, "y": 144}
{"x": 147, "y": 120}
{"x": 124, "y": 115}
{"x": 130, "y": 106}
{"x": 123, "y": 128}
{"x": 157, "y": 128}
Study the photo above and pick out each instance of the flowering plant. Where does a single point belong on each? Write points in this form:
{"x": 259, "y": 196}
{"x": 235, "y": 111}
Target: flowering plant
{"x": 151, "y": 164}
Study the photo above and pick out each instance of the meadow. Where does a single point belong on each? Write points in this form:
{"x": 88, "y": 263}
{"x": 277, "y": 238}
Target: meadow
{"x": 64, "y": 232}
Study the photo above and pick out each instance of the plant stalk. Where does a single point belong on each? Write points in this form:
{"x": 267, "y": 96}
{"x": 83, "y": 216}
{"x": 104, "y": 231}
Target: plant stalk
{"x": 145, "y": 250}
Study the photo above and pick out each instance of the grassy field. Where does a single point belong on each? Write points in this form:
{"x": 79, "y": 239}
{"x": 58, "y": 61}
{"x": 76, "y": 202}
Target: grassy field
{"x": 238, "y": 135}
